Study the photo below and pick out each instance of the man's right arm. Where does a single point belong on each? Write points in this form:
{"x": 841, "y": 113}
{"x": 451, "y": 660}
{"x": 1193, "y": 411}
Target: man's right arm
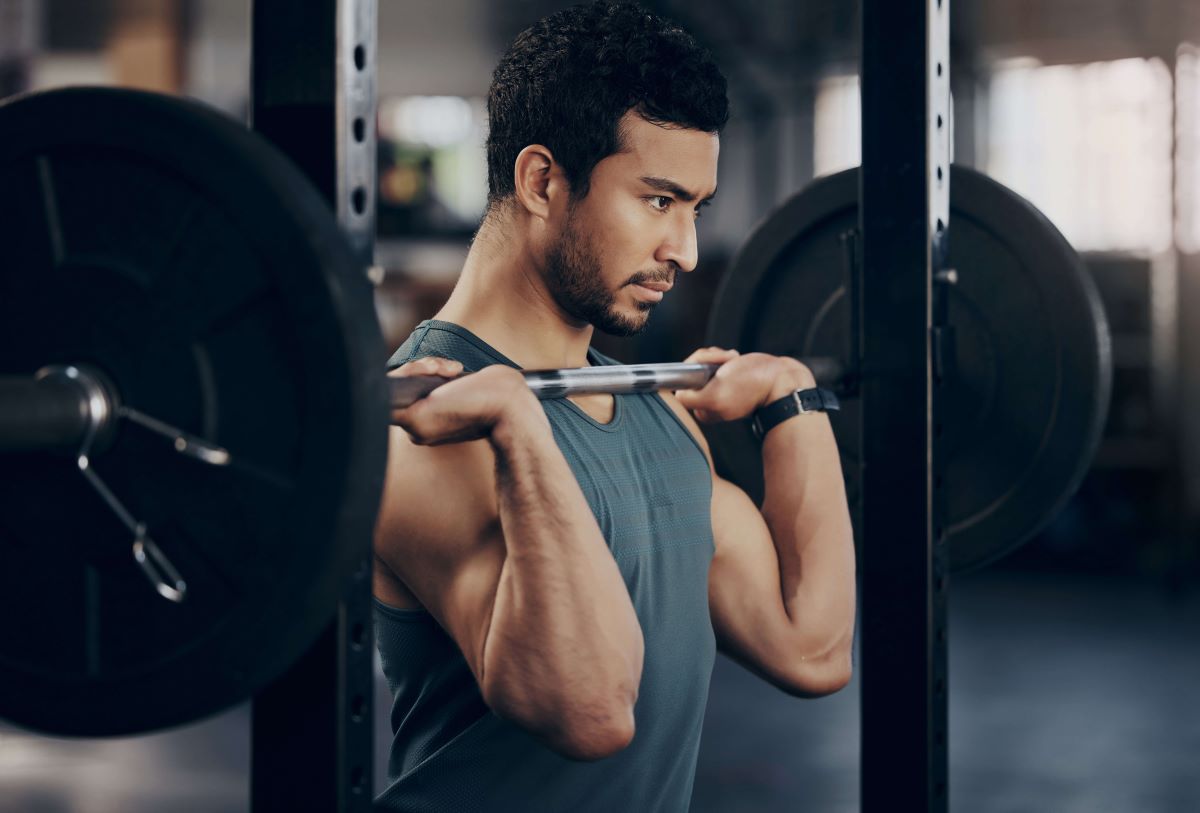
{"x": 496, "y": 540}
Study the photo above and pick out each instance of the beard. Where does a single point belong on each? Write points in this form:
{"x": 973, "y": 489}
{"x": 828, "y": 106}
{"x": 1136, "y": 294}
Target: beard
{"x": 575, "y": 281}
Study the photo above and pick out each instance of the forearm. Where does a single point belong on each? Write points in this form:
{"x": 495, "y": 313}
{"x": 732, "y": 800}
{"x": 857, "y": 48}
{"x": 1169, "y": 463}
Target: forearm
{"x": 564, "y": 643}
{"x": 806, "y": 511}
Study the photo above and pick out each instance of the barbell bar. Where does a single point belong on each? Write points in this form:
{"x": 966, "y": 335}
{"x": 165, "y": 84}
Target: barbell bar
{"x": 62, "y": 406}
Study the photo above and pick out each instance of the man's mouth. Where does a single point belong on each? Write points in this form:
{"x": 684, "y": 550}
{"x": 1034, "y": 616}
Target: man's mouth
{"x": 650, "y": 291}
{"x": 661, "y": 287}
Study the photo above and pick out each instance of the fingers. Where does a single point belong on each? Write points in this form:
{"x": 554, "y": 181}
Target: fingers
{"x": 738, "y": 388}
{"x": 430, "y": 365}
{"x": 711, "y": 355}
{"x": 703, "y": 406}
{"x": 466, "y": 408}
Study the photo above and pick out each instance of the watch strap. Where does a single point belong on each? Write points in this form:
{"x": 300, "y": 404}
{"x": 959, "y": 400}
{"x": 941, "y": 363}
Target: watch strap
{"x": 816, "y": 399}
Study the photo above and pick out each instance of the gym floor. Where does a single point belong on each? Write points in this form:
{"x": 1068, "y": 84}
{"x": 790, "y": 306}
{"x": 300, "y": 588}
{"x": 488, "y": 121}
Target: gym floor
{"x": 1067, "y": 694}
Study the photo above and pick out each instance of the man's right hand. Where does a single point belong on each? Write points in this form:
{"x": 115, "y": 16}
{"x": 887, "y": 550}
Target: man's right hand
{"x": 467, "y": 408}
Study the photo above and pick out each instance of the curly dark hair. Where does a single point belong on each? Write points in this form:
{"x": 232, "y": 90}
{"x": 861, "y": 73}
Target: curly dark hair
{"x": 567, "y": 80}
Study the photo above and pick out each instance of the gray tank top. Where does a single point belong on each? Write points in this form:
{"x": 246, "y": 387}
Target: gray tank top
{"x": 649, "y": 486}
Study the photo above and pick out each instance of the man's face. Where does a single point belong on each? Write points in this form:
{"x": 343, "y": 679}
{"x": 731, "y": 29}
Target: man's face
{"x": 619, "y": 249}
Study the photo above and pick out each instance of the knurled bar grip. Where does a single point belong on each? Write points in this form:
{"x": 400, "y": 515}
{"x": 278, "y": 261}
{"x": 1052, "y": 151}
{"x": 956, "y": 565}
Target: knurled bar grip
{"x": 614, "y": 379}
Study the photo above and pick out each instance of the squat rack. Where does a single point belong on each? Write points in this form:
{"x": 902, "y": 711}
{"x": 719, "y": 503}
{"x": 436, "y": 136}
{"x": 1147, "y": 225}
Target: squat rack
{"x": 314, "y": 89}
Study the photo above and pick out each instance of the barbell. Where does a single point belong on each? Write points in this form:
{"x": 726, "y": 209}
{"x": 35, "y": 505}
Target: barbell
{"x": 181, "y": 316}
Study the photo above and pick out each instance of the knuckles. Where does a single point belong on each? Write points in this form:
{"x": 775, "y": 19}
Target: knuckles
{"x": 429, "y": 365}
{"x": 464, "y": 409}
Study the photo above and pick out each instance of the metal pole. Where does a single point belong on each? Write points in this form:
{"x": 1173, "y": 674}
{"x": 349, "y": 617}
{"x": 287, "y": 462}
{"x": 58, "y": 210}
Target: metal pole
{"x": 42, "y": 415}
{"x": 313, "y": 95}
{"x": 904, "y": 216}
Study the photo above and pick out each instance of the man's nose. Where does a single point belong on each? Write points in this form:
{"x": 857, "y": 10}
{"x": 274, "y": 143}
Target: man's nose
{"x": 679, "y": 246}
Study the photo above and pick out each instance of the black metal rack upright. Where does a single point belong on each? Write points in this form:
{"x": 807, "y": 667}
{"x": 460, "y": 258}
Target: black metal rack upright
{"x": 313, "y": 94}
{"x": 904, "y": 217}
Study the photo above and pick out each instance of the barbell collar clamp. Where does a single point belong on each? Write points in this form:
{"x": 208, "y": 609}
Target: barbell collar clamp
{"x": 58, "y": 408}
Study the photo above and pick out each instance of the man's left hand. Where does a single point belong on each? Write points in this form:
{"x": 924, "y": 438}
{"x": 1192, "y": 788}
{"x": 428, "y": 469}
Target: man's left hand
{"x": 742, "y": 384}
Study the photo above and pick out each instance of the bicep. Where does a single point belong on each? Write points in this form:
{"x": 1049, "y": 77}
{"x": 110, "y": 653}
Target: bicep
{"x": 745, "y": 594}
{"x": 438, "y": 532}
{"x": 744, "y": 587}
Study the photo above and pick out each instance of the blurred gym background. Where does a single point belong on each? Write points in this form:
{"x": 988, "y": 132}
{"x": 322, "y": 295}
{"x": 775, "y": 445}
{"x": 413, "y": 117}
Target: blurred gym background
{"x": 1074, "y": 663}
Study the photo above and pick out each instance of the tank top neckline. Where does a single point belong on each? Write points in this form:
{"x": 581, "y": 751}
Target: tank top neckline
{"x": 595, "y": 359}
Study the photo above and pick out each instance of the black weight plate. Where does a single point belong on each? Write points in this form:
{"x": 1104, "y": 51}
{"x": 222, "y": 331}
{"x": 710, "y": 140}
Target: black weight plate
{"x": 1025, "y": 410}
{"x": 174, "y": 250}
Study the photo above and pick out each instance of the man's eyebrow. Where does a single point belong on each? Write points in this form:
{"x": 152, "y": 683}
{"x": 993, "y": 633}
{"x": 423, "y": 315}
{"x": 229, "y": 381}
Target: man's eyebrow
{"x": 667, "y": 185}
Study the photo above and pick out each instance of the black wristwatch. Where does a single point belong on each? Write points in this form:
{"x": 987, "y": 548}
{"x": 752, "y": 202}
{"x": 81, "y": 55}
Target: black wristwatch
{"x": 797, "y": 403}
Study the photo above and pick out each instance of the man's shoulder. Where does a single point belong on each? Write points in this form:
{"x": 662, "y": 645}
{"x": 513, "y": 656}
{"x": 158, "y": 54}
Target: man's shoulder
{"x": 446, "y": 340}
{"x": 688, "y": 422}
{"x": 439, "y": 498}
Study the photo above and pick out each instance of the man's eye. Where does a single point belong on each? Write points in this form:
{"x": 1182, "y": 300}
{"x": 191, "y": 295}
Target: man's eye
{"x": 660, "y": 202}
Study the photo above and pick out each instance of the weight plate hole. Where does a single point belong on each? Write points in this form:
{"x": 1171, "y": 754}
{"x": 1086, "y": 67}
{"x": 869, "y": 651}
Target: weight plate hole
{"x": 358, "y": 199}
{"x": 358, "y": 636}
{"x": 360, "y": 133}
{"x": 356, "y": 779}
{"x": 360, "y": 57}
{"x": 358, "y": 708}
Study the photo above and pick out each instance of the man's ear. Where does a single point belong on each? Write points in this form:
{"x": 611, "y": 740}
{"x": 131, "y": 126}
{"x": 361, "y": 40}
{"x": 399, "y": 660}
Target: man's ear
{"x": 538, "y": 179}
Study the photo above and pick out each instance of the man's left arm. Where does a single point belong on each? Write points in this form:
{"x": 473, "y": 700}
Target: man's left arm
{"x": 782, "y": 582}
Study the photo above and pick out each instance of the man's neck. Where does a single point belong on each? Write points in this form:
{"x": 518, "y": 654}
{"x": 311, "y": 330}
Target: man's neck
{"x": 501, "y": 298}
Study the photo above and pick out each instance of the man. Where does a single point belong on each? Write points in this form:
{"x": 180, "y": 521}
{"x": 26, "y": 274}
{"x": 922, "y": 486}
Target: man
{"x": 553, "y": 578}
